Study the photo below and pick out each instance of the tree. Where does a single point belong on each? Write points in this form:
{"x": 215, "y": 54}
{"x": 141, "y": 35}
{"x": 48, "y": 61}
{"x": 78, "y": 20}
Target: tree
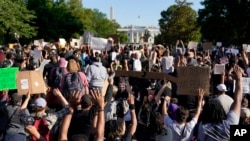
{"x": 15, "y": 18}
{"x": 102, "y": 25}
{"x": 178, "y": 22}
{"x": 225, "y": 21}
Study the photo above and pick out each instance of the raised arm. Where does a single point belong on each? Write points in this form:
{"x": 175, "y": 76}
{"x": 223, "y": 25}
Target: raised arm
{"x": 131, "y": 102}
{"x": 58, "y": 94}
{"x": 26, "y": 102}
{"x": 199, "y": 106}
{"x": 99, "y": 100}
{"x": 236, "y": 105}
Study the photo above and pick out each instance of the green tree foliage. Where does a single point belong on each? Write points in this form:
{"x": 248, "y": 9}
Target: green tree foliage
{"x": 15, "y": 18}
{"x": 178, "y": 22}
{"x": 226, "y": 21}
{"x": 102, "y": 25}
{"x": 123, "y": 37}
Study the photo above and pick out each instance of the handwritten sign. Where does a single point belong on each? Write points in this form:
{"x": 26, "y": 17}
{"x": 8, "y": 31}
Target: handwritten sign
{"x": 191, "y": 78}
{"x": 8, "y": 78}
{"x": 208, "y": 45}
{"x": 219, "y": 68}
{"x": 192, "y": 45}
{"x": 30, "y": 81}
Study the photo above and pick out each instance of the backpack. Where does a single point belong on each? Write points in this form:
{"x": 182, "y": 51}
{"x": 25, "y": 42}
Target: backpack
{"x": 114, "y": 109}
{"x": 57, "y": 77}
{"x": 41, "y": 124}
{"x": 73, "y": 82}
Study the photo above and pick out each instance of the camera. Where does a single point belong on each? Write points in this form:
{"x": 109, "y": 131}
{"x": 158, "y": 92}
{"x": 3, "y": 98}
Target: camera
{"x": 29, "y": 120}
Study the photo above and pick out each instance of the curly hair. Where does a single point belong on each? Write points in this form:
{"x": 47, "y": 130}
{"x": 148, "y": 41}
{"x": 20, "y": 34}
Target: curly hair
{"x": 113, "y": 129}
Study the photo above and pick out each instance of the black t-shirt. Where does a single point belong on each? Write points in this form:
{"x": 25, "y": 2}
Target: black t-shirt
{"x": 81, "y": 123}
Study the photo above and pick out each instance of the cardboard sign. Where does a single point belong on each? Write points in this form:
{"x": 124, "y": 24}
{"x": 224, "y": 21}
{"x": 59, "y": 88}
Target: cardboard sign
{"x": 191, "y": 78}
{"x": 208, "y": 45}
{"x": 192, "y": 45}
{"x": 30, "y": 81}
{"x": 8, "y": 78}
{"x": 146, "y": 75}
{"x": 245, "y": 85}
{"x": 219, "y": 68}
{"x": 219, "y": 44}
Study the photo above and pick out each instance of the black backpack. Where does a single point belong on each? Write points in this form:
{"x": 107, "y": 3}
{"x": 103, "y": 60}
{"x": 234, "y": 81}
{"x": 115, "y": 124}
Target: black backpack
{"x": 57, "y": 77}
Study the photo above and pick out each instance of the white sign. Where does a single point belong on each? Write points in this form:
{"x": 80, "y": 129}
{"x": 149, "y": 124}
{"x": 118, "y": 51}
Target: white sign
{"x": 248, "y": 48}
{"x": 135, "y": 51}
{"x": 219, "y": 44}
{"x": 62, "y": 41}
{"x": 219, "y": 68}
{"x": 192, "y": 45}
{"x": 99, "y": 43}
{"x": 246, "y": 85}
{"x": 75, "y": 43}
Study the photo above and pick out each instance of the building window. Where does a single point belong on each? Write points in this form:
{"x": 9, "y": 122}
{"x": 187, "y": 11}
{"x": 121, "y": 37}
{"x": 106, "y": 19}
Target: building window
{"x": 128, "y": 34}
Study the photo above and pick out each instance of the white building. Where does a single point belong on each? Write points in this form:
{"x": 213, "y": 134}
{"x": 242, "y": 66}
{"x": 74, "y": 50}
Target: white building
{"x": 136, "y": 33}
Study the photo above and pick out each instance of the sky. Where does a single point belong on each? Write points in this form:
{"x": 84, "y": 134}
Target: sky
{"x": 135, "y": 12}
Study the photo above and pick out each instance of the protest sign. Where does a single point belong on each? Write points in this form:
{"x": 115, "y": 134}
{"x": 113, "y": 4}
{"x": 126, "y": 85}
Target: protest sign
{"x": 30, "y": 81}
{"x": 98, "y": 43}
{"x": 191, "y": 78}
{"x": 218, "y": 44}
{"x": 11, "y": 45}
{"x": 87, "y": 37}
{"x": 248, "y": 48}
{"x": 62, "y": 42}
{"x": 75, "y": 43}
{"x": 43, "y": 63}
{"x": 192, "y": 45}
{"x": 245, "y": 85}
{"x": 219, "y": 68}
{"x": 146, "y": 75}
{"x": 207, "y": 45}
{"x": 8, "y": 78}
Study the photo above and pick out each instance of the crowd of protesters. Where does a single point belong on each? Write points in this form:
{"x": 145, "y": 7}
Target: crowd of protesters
{"x": 145, "y": 109}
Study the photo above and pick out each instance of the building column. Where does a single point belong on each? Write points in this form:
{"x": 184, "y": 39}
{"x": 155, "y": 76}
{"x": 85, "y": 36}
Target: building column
{"x": 137, "y": 37}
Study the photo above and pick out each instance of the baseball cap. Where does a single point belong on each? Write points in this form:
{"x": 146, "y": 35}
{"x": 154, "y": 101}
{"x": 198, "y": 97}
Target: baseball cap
{"x": 221, "y": 87}
{"x": 40, "y": 102}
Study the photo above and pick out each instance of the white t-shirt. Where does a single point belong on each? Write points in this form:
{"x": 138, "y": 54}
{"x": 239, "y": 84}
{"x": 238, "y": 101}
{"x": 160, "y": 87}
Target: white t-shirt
{"x": 183, "y": 132}
{"x": 137, "y": 65}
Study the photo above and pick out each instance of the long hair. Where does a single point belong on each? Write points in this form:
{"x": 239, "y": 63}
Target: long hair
{"x": 159, "y": 128}
{"x": 113, "y": 129}
{"x": 212, "y": 112}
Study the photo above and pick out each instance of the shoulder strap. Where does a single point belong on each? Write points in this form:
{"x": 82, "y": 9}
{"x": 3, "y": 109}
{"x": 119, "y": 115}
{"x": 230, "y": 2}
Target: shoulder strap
{"x": 182, "y": 132}
{"x": 13, "y": 113}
